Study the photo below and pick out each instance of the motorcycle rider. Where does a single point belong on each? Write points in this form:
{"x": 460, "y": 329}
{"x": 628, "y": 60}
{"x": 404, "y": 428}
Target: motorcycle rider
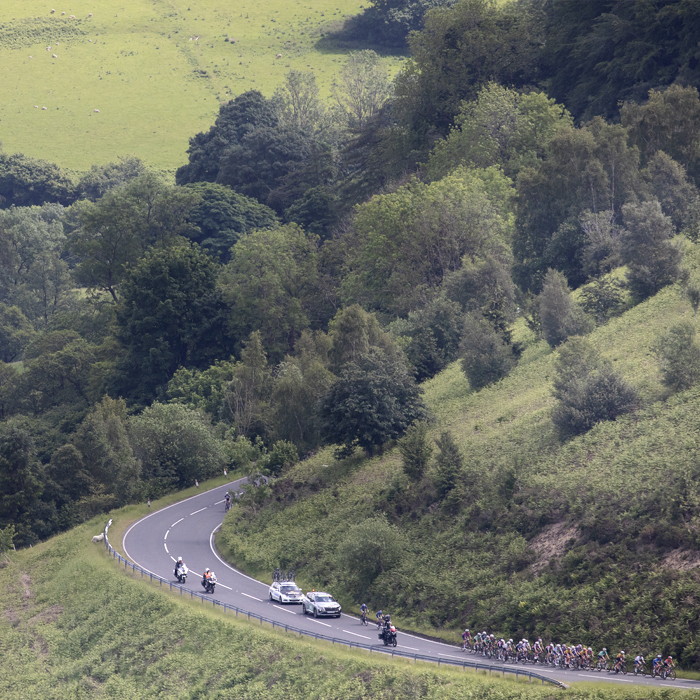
{"x": 206, "y": 577}
{"x": 179, "y": 566}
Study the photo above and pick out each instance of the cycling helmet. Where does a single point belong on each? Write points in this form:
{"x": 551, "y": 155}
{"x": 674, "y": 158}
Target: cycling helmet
{"x": 622, "y": 652}
{"x": 206, "y": 571}
{"x": 467, "y": 629}
{"x": 179, "y": 558}
{"x": 604, "y": 649}
{"x": 590, "y": 648}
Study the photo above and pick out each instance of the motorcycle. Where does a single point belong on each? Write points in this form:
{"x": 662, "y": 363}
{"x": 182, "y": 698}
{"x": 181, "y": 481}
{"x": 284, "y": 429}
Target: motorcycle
{"x": 209, "y": 584}
{"x": 388, "y": 636}
{"x": 181, "y": 573}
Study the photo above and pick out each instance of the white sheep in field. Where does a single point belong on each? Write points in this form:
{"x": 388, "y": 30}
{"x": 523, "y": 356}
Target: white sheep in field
{"x": 99, "y": 538}
{"x": 90, "y": 40}
{"x": 96, "y": 110}
{"x": 90, "y": 15}
{"x": 62, "y": 13}
{"x": 44, "y": 107}
{"x": 53, "y": 55}
{"x": 36, "y": 106}
{"x": 52, "y": 11}
{"x": 279, "y": 55}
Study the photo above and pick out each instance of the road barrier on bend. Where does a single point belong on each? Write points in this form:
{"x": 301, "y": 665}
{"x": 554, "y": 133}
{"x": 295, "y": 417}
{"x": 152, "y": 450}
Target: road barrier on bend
{"x": 226, "y": 607}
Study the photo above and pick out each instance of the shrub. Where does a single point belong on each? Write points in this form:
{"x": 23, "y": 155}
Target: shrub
{"x": 415, "y": 451}
{"x": 486, "y": 357}
{"x": 680, "y": 356}
{"x": 588, "y": 390}
{"x": 560, "y": 316}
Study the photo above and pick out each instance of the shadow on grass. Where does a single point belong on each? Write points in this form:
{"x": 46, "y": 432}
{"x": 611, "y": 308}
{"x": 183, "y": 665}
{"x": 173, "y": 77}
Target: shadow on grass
{"x": 354, "y": 34}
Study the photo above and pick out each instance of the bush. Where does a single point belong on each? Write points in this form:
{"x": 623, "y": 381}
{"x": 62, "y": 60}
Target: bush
{"x": 680, "y": 356}
{"x": 449, "y": 465}
{"x": 369, "y": 549}
{"x": 486, "y": 357}
{"x": 588, "y": 390}
{"x": 283, "y": 454}
{"x": 560, "y": 316}
{"x": 653, "y": 260}
{"x": 415, "y": 451}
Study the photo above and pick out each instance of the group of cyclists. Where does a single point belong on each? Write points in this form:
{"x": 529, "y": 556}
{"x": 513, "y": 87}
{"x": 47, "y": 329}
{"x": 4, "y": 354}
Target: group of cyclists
{"x": 562, "y": 655}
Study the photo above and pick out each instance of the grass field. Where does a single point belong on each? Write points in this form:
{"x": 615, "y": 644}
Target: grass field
{"x": 140, "y": 64}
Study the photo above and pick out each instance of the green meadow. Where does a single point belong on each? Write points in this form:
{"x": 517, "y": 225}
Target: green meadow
{"x": 156, "y": 71}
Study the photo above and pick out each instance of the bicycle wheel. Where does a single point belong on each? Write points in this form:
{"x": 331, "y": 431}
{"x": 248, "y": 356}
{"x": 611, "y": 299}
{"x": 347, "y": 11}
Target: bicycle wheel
{"x": 671, "y": 674}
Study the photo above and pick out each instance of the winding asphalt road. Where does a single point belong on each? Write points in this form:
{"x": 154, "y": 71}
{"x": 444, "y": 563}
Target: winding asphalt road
{"x": 187, "y": 529}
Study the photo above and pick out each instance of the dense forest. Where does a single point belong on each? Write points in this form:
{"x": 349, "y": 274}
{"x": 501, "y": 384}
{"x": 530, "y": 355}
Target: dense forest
{"x": 315, "y": 262}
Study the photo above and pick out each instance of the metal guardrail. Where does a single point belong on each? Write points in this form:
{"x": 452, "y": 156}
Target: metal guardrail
{"x": 334, "y": 640}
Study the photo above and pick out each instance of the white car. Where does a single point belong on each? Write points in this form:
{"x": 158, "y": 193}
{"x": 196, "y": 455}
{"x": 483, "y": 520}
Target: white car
{"x": 319, "y": 604}
{"x": 286, "y": 592}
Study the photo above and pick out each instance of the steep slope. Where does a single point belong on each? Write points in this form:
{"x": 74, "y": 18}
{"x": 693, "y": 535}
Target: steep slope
{"x": 595, "y": 539}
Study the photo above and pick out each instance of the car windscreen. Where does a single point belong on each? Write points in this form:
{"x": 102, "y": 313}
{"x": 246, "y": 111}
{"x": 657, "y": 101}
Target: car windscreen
{"x": 324, "y": 599}
{"x": 289, "y": 589}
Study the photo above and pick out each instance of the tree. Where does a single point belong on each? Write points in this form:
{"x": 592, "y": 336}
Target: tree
{"x": 667, "y": 121}
{"x": 20, "y": 480}
{"x": 15, "y": 332}
{"x": 591, "y": 169}
{"x": 270, "y": 286}
{"x": 680, "y": 357}
{"x": 354, "y": 332}
{"x": 34, "y": 277}
{"x": 247, "y": 395}
{"x": 103, "y": 442}
{"x": 588, "y": 390}
{"x": 368, "y": 549}
{"x": 560, "y": 316}
{"x": 27, "y": 182}
{"x": 601, "y": 53}
{"x": 373, "y": 401}
{"x": 416, "y": 451}
{"x": 175, "y": 446}
{"x": 362, "y": 89}
{"x": 169, "y": 317}
{"x": 449, "y": 465}
{"x": 249, "y": 111}
{"x": 222, "y": 216}
{"x": 652, "y": 259}
{"x": 403, "y": 244}
{"x": 602, "y": 298}
{"x": 282, "y": 455}
{"x": 100, "y": 179}
{"x": 111, "y": 234}
{"x": 301, "y": 380}
{"x": 299, "y": 105}
{"x": 486, "y": 357}
{"x": 461, "y": 49}
{"x": 501, "y": 127}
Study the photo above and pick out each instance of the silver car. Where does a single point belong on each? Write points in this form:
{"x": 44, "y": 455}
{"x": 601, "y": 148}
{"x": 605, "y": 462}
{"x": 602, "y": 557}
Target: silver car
{"x": 320, "y": 604}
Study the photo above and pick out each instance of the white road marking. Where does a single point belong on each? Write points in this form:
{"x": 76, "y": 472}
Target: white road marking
{"x": 176, "y": 522}
{"x": 401, "y": 646}
{"x": 166, "y": 547}
{"x": 198, "y": 511}
{"x": 251, "y": 596}
{"x": 172, "y": 557}
{"x": 218, "y": 503}
{"x": 354, "y": 634}
{"x": 285, "y": 609}
{"x": 166, "y": 534}
{"x": 318, "y": 622}
{"x": 588, "y": 675}
{"x": 228, "y": 588}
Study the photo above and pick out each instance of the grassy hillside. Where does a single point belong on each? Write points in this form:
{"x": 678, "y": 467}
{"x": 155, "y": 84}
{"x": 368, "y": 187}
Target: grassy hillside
{"x": 138, "y": 62}
{"x": 73, "y": 625}
{"x": 595, "y": 539}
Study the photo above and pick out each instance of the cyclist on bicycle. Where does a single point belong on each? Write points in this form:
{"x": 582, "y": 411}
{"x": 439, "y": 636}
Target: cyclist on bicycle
{"x": 227, "y": 498}
{"x": 603, "y": 657}
{"x": 466, "y": 637}
{"x": 620, "y": 661}
{"x": 668, "y": 663}
{"x": 380, "y": 615}
{"x": 638, "y": 662}
{"x": 364, "y": 610}
{"x": 656, "y": 664}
